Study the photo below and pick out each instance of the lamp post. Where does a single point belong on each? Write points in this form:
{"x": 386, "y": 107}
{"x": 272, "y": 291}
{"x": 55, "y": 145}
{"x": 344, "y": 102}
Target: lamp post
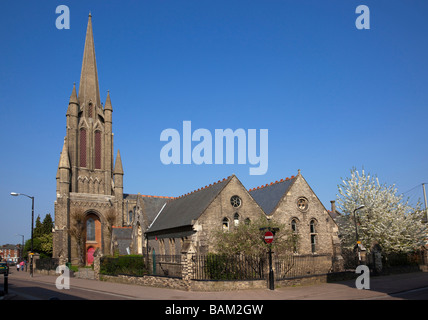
{"x": 356, "y": 231}
{"x": 32, "y": 224}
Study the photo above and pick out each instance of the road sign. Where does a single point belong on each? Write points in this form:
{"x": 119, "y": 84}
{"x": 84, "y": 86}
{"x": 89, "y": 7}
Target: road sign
{"x": 268, "y": 237}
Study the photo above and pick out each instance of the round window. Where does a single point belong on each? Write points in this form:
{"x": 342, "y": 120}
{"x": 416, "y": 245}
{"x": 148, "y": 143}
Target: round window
{"x": 235, "y": 201}
{"x": 302, "y": 204}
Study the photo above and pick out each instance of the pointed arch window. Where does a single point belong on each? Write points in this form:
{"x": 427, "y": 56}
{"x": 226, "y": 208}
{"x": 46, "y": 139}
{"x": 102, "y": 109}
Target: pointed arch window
{"x": 236, "y": 219}
{"x": 90, "y": 230}
{"x": 97, "y": 149}
{"x": 225, "y": 224}
{"x": 312, "y": 227}
{"x": 83, "y": 147}
{"x": 294, "y": 225}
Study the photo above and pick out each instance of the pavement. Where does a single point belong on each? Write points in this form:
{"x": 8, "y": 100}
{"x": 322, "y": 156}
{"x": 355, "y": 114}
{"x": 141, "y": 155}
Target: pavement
{"x": 381, "y": 287}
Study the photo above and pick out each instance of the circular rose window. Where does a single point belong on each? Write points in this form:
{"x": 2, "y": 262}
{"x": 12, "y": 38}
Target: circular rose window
{"x": 235, "y": 201}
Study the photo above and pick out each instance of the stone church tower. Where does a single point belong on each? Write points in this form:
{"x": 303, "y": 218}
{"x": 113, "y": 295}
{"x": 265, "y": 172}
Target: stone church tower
{"x": 89, "y": 188}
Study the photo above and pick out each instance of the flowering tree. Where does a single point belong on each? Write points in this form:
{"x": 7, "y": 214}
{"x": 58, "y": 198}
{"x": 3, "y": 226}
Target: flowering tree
{"x": 387, "y": 218}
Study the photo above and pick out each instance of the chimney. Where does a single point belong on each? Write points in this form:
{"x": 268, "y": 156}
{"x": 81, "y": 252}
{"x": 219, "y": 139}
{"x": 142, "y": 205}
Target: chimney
{"x": 333, "y": 206}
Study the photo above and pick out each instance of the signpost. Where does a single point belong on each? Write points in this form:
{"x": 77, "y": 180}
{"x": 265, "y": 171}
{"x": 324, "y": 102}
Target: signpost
{"x": 268, "y": 238}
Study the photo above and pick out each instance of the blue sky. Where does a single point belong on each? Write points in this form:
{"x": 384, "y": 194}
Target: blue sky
{"x": 332, "y": 97}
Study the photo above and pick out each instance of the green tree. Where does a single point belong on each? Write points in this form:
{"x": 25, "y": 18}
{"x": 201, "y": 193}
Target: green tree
{"x": 47, "y": 224}
{"x": 38, "y": 228}
{"x": 42, "y": 237}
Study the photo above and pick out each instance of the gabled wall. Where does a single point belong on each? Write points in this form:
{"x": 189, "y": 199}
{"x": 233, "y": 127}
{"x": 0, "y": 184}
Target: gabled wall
{"x": 325, "y": 228}
{"x": 211, "y": 220}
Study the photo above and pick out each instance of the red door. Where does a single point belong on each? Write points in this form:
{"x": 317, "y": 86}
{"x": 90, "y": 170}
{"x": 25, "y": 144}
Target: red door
{"x": 90, "y": 256}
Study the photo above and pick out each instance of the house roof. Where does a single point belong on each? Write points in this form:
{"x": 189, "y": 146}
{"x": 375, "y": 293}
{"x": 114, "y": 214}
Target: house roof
{"x": 180, "y": 211}
{"x": 268, "y": 196}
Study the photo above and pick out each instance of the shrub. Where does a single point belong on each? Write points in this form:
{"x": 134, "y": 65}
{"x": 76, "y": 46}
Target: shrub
{"x": 130, "y": 265}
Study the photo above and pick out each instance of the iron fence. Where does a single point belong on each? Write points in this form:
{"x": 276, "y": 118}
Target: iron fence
{"x": 165, "y": 265}
{"x": 228, "y": 267}
{"x": 293, "y": 266}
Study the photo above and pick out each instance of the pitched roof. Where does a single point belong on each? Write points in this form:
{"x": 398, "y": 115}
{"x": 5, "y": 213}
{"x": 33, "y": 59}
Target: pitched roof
{"x": 180, "y": 211}
{"x": 152, "y": 204}
{"x": 268, "y": 196}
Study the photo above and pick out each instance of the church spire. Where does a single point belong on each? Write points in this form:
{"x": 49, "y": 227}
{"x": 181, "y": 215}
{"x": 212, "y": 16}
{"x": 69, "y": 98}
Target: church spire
{"x": 89, "y": 88}
{"x": 108, "y": 102}
{"x": 118, "y": 169}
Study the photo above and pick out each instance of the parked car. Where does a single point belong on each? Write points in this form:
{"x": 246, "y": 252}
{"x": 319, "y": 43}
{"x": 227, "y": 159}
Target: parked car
{"x": 4, "y": 268}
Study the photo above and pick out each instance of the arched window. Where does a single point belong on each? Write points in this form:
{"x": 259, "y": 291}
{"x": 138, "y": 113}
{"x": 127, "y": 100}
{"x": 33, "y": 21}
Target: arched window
{"x": 83, "y": 147}
{"x": 236, "y": 219}
{"x": 312, "y": 226}
{"x": 97, "y": 150}
{"x": 90, "y": 230}
{"x": 247, "y": 221}
{"x": 294, "y": 225}
{"x": 225, "y": 224}
{"x": 313, "y": 236}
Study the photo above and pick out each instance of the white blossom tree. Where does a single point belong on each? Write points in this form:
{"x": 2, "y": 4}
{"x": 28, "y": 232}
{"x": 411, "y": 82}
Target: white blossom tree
{"x": 387, "y": 218}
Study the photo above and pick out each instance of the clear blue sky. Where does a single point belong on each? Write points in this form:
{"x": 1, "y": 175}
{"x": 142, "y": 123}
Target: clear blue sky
{"x": 331, "y": 96}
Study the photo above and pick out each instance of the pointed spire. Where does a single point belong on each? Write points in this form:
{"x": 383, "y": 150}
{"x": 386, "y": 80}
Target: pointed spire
{"x": 108, "y": 102}
{"x": 88, "y": 87}
{"x": 118, "y": 164}
{"x": 73, "y": 97}
{"x": 71, "y": 110}
{"x": 64, "y": 161}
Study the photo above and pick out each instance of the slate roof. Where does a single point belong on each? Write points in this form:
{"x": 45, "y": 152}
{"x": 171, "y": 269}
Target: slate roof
{"x": 152, "y": 204}
{"x": 268, "y": 196}
{"x": 180, "y": 211}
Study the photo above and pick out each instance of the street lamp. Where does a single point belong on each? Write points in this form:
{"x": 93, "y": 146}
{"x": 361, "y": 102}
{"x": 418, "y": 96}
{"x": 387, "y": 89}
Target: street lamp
{"x": 32, "y": 223}
{"x": 356, "y": 230}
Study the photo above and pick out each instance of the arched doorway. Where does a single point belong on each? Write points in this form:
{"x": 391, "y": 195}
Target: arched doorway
{"x": 90, "y": 255}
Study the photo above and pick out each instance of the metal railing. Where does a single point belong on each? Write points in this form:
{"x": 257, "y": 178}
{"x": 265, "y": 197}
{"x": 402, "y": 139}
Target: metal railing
{"x": 293, "y": 266}
{"x": 228, "y": 267}
{"x": 165, "y": 265}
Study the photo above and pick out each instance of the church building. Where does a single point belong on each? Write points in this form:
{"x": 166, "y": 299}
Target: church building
{"x": 93, "y": 214}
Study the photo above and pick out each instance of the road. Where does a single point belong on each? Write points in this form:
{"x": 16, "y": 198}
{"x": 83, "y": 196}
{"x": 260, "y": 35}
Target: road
{"x": 35, "y": 290}
{"x": 411, "y": 286}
